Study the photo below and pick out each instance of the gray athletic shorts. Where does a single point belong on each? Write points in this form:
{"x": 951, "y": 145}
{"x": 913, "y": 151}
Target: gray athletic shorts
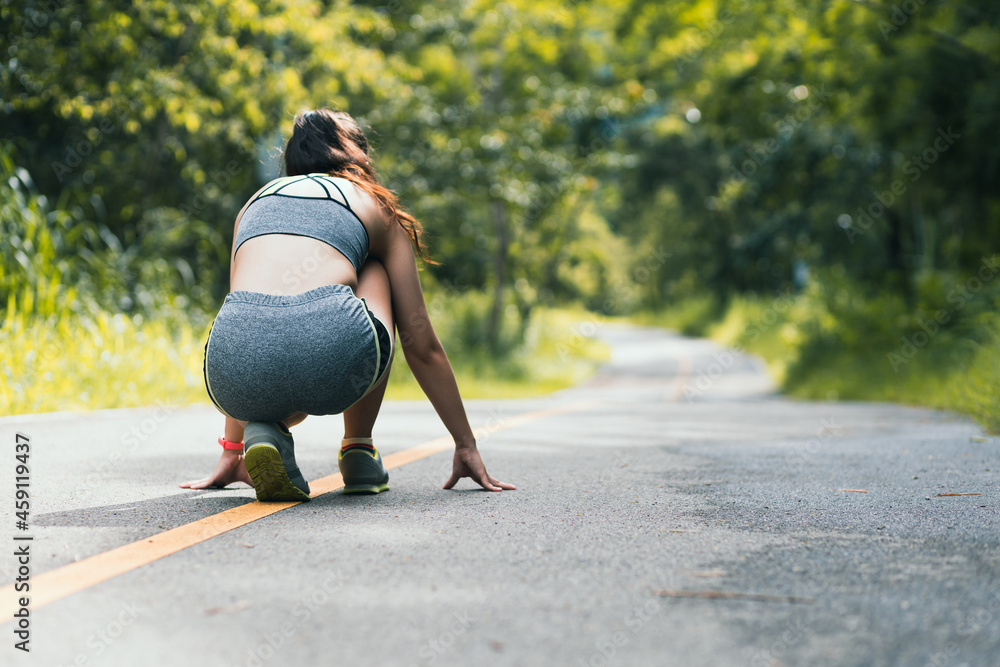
{"x": 270, "y": 356}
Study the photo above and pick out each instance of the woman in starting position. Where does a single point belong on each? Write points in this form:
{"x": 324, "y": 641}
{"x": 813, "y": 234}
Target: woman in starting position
{"x": 323, "y": 267}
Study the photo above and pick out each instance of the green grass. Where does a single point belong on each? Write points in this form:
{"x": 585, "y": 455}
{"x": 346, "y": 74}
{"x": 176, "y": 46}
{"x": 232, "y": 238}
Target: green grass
{"x": 545, "y": 362}
{"x": 691, "y": 317}
{"x": 85, "y": 362}
{"x": 78, "y": 362}
{"x": 819, "y": 349}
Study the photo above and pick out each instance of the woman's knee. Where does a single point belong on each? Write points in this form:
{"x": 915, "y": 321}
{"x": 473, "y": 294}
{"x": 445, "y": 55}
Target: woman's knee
{"x": 373, "y": 287}
{"x": 373, "y": 269}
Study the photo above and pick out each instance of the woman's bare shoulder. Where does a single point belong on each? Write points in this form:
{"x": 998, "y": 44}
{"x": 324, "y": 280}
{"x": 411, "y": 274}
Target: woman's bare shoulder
{"x": 367, "y": 208}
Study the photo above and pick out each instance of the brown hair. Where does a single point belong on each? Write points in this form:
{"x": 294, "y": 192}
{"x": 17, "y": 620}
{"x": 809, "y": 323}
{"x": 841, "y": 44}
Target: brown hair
{"x": 332, "y": 142}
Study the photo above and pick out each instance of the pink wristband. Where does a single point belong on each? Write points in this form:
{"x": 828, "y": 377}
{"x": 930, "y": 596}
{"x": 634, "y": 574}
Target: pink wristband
{"x": 229, "y": 444}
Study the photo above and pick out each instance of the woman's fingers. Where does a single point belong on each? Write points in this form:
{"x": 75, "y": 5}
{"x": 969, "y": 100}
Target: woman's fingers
{"x": 201, "y": 484}
{"x": 480, "y": 476}
{"x": 497, "y": 485}
{"x": 484, "y": 481}
{"x": 228, "y": 470}
{"x": 502, "y": 485}
{"x": 470, "y": 465}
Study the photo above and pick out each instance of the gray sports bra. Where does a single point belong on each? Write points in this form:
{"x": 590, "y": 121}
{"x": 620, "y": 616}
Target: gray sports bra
{"x": 305, "y": 206}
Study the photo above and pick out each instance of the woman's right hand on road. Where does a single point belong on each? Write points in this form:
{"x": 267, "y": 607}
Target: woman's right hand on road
{"x": 230, "y": 468}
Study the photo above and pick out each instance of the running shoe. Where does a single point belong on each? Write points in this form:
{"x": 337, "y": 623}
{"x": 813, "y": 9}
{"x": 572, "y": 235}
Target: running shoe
{"x": 362, "y": 468}
{"x": 270, "y": 461}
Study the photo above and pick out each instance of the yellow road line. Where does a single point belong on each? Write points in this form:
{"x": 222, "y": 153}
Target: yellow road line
{"x": 56, "y": 584}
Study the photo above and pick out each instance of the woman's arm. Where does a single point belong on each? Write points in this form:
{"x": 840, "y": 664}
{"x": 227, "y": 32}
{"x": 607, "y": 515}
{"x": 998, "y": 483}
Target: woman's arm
{"x": 427, "y": 359}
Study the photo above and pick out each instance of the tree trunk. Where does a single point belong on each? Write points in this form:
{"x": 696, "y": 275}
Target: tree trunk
{"x": 499, "y": 272}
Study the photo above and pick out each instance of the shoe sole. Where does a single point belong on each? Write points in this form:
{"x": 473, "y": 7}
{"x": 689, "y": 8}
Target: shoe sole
{"x": 366, "y": 489}
{"x": 270, "y": 479}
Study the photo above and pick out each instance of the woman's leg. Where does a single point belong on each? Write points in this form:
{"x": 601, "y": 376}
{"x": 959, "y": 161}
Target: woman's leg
{"x": 373, "y": 287}
{"x": 295, "y": 419}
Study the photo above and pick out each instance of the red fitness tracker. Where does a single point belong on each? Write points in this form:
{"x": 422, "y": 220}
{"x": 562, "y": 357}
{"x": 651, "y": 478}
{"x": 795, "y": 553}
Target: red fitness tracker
{"x": 229, "y": 444}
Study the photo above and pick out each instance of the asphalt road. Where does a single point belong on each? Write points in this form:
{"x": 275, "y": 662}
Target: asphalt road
{"x": 677, "y": 513}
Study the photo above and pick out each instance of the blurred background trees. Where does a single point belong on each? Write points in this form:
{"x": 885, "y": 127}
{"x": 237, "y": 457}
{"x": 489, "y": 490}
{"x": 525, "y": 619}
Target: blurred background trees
{"x": 624, "y": 156}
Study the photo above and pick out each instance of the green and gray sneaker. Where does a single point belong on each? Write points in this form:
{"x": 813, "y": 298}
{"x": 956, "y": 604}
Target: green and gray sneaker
{"x": 361, "y": 467}
{"x": 270, "y": 461}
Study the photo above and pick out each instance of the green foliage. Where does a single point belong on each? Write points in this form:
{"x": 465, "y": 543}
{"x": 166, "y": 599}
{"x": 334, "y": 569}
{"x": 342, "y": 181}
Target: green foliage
{"x": 830, "y": 342}
{"x": 156, "y": 121}
{"x": 538, "y": 363}
{"x": 37, "y": 245}
{"x": 702, "y": 155}
{"x": 56, "y": 260}
{"x": 152, "y": 118}
{"x": 464, "y": 325}
{"x": 843, "y": 152}
{"x": 692, "y": 316}
{"x": 76, "y": 361}
{"x": 789, "y": 136}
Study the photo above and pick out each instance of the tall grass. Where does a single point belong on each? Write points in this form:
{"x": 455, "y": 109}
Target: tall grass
{"x": 74, "y": 361}
{"x": 60, "y": 348}
{"x": 833, "y": 341}
{"x": 101, "y": 360}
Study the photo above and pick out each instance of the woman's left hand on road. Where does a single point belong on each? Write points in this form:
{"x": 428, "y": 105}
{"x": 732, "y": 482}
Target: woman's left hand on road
{"x": 468, "y": 463}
